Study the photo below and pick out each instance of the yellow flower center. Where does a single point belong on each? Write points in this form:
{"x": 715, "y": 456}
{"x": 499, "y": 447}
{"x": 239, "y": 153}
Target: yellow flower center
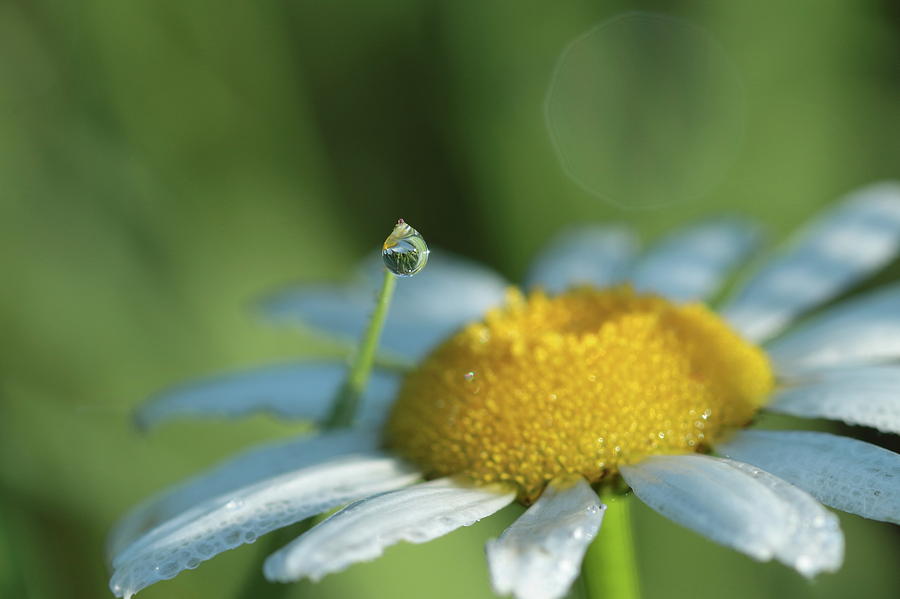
{"x": 577, "y": 383}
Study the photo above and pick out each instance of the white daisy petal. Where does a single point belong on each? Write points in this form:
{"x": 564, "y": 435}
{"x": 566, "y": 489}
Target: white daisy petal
{"x": 240, "y": 517}
{"x": 540, "y": 555}
{"x": 861, "y": 330}
{"x": 298, "y": 391}
{"x": 853, "y": 240}
{"x": 867, "y": 396}
{"x": 813, "y": 540}
{"x": 598, "y": 256}
{"x": 250, "y": 467}
{"x": 448, "y": 293}
{"x": 360, "y": 532}
{"x": 740, "y": 507}
{"x": 692, "y": 264}
{"x": 846, "y": 474}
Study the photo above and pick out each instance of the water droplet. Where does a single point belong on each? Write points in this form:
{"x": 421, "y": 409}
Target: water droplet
{"x": 232, "y": 537}
{"x": 404, "y": 252}
{"x": 469, "y": 376}
{"x": 233, "y": 504}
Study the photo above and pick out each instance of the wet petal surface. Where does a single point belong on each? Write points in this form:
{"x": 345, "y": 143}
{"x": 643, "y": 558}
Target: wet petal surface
{"x": 239, "y": 517}
{"x": 300, "y": 391}
{"x": 742, "y": 507}
{"x": 540, "y": 554}
{"x": 867, "y": 396}
{"x": 250, "y": 467}
{"x": 597, "y": 256}
{"x": 861, "y": 330}
{"x": 361, "y": 531}
{"x": 846, "y": 474}
{"x": 692, "y": 264}
{"x": 856, "y": 238}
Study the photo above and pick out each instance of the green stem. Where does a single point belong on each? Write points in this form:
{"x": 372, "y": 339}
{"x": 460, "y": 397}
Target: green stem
{"x": 275, "y": 540}
{"x": 343, "y": 409}
{"x": 578, "y": 590}
{"x": 610, "y": 568}
{"x": 343, "y": 412}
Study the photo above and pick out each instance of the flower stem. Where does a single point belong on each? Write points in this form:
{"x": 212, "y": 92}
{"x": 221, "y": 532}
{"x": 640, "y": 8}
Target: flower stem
{"x": 578, "y": 589}
{"x": 343, "y": 410}
{"x": 610, "y": 569}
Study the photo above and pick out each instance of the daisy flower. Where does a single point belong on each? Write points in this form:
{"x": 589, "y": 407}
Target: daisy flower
{"x": 611, "y": 370}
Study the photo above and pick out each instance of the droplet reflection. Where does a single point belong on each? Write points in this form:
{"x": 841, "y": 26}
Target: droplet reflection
{"x": 405, "y": 252}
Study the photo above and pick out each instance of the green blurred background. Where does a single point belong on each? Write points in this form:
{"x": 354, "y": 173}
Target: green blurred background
{"x": 165, "y": 163}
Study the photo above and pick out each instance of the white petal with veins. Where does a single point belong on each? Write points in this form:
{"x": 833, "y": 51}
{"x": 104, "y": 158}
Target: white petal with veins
{"x": 540, "y": 554}
{"x": 863, "y": 329}
{"x": 867, "y": 396}
{"x": 299, "y": 391}
{"x": 692, "y": 264}
{"x": 252, "y": 466}
{"x": 230, "y": 520}
{"x": 846, "y": 474}
{"x": 849, "y": 242}
{"x": 598, "y": 256}
{"x": 741, "y": 507}
{"x": 361, "y": 531}
{"x": 426, "y": 308}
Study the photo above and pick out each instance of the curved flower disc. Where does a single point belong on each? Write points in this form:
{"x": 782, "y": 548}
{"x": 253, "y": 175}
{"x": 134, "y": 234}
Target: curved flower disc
{"x": 576, "y": 384}
{"x": 553, "y": 393}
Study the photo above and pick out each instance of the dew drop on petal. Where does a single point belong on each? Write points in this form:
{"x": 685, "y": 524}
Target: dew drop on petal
{"x": 405, "y": 252}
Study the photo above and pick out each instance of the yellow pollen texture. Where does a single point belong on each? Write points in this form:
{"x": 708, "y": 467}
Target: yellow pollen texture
{"x": 577, "y": 383}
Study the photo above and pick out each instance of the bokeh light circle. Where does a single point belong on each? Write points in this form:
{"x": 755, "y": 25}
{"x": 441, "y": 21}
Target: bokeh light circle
{"x": 646, "y": 110}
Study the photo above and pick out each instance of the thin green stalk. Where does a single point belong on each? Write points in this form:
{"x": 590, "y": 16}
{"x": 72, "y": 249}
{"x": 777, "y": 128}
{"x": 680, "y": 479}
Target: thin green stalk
{"x": 343, "y": 409}
{"x": 578, "y": 590}
{"x": 610, "y": 568}
{"x": 275, "y": 540}
{"x": 343, "y": 412}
